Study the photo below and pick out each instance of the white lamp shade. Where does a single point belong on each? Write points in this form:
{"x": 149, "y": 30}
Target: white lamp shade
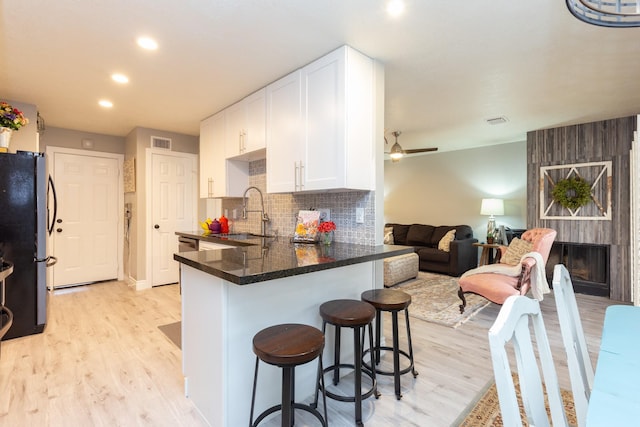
{"x": 492, "y": 207}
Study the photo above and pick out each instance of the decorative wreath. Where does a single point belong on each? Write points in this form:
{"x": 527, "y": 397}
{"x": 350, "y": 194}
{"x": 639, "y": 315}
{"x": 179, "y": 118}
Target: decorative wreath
{"x": 572, "y": 193}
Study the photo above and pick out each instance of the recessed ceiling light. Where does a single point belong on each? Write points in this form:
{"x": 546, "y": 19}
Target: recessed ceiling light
{"x": 395, "y": 7}
{"x": 105, "y": 103}
{"x": 147, "y": 43}
{"x": 119, "y": 78}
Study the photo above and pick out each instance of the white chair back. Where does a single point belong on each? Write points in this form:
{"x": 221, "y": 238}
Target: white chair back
{"x": 580, "y": 368}
{"x": 512, "y": 324}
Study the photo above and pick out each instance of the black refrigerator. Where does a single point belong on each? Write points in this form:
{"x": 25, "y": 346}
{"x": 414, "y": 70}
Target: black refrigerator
{"x": 24, "y": 215}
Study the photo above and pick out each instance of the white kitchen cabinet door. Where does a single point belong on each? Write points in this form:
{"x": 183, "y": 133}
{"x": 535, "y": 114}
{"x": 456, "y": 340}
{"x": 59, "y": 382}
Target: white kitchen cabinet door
{"x": 284, "y": 134}
{"x": 323, "y": 117}
{"x": 246, "y": 127}
{"x": 219, "y": 177}
{"x": 212, "y": 158}
{"x": 320, "y": 123}
{"x": 236, "y": 117}
{"x": 338, "y": 122}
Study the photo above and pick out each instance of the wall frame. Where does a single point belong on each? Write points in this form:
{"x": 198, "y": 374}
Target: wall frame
{"x": 129, "y": 175}
{"x": 597, "y": 174}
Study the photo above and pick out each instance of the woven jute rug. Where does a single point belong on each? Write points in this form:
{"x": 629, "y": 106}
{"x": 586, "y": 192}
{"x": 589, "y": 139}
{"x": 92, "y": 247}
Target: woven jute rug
{"x": 485, "y": 412}
{"x": 434, "y": 298}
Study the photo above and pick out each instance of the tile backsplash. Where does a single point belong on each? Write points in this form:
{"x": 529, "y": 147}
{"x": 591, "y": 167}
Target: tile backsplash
{"x": 282, "y": 210}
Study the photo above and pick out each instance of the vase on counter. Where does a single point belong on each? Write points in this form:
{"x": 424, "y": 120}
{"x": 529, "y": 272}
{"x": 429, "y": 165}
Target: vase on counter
{"x": 5, "y": 137}
{"x": 326, "y": 238}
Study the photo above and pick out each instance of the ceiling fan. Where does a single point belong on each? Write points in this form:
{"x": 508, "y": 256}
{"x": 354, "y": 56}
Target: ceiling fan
{"x": 397, "y": 152}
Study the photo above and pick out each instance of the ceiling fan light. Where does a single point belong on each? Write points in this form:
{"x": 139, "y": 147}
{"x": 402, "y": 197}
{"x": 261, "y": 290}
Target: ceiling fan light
{"x": 396, "y": 152}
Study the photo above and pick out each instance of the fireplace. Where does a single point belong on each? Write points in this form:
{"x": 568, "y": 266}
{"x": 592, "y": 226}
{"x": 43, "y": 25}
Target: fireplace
{"x": 588, "y": 266}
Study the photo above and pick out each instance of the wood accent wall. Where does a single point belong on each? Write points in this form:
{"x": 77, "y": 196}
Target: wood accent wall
{"x": 589, "y": 142}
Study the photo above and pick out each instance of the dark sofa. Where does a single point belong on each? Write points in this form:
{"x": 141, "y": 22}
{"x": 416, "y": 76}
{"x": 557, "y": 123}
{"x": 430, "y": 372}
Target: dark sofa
{"x": 462, "y": 255}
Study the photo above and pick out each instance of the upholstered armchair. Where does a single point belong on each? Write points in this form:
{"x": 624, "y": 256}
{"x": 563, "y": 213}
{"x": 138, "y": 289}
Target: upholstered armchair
{"x": 496, "y": 286}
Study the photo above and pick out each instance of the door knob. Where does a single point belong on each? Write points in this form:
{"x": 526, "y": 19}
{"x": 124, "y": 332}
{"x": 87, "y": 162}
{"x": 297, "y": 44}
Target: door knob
{"x": 156, "y": 226}
{"x": 59, "y": 230}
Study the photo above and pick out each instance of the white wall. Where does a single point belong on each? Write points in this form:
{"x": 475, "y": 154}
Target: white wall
{"x": 447, "y": 188}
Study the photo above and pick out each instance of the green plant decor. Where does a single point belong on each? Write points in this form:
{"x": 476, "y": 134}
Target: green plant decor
{"x": 572, "y": 193}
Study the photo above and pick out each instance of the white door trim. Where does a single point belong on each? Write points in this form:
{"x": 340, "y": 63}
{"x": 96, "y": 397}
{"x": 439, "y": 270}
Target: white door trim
{"x": 50, "y": 151}
{"x": 148, "y": 201}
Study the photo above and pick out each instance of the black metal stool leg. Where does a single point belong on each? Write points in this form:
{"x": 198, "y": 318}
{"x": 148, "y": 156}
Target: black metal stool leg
{"x": 378, "y": 332}
{"x": 253, "y": 396}
{"x": 396, "y": 354}
{"x": 376, "y": 393}
{"x": 413, "y": 369}
{"x": 357, "y": 351}
{"x": 287, "y": 398}
{"x": 336, "y": 356}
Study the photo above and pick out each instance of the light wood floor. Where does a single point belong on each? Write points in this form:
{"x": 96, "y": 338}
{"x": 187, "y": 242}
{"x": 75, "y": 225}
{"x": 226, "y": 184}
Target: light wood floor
{"x": 102, "y": 361}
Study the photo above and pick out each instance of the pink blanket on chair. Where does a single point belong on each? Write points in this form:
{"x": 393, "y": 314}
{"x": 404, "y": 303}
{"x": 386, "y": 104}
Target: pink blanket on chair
{"x": 539, "y": 285}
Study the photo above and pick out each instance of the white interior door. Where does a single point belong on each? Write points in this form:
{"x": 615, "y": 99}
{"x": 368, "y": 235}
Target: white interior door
{"x": 172, "y": 209}
{"x": 85, "y": 235}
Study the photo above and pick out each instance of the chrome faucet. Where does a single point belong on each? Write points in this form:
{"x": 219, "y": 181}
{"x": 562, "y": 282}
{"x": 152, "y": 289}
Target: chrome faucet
{"x": 263, "y": 215}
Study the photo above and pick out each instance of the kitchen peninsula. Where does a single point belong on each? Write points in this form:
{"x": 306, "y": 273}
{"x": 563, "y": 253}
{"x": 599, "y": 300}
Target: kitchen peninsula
{"x": 230, "y": 294}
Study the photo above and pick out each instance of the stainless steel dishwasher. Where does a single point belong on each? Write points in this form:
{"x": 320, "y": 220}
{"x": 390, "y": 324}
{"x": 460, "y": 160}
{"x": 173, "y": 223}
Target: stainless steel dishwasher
{"x": 186, "y": 244}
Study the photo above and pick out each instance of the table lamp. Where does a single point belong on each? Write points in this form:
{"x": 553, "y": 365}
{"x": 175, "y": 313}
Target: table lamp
{"x": 492, "y": 207}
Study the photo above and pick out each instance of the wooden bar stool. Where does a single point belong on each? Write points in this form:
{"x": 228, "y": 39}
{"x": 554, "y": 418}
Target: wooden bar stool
{"x": 287, "y": 346}
{"x": 391, "y": 300}
{"x": 357, "y": 315}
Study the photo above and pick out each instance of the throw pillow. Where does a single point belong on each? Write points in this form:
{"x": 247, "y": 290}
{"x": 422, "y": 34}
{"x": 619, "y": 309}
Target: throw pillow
{"x": 388, "y": 236}
{"x": 516, "y": 249}
{"x": 445, "y": 242}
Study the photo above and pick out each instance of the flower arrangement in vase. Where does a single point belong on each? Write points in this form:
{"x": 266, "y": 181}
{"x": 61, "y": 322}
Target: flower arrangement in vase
{"x": 326, "y": 230}
{"x": 10, "y": 119}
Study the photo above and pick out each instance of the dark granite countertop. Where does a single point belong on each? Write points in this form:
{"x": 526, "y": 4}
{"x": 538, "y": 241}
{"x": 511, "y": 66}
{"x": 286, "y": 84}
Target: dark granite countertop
{"x": 258, "y": 259}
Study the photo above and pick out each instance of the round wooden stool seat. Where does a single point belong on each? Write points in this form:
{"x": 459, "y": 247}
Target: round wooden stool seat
{"x": 288, "y": 344}
{"x": 347, "y": 312}
{"x": 387, "y": 299}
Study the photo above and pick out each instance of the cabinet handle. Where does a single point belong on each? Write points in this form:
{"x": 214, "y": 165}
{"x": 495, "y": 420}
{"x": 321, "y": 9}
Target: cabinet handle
{"x": 210, "y": 188}
{"x": 240, "y": 142}
{"x": 301, "y": 171}
{"x": 244, "y": 140}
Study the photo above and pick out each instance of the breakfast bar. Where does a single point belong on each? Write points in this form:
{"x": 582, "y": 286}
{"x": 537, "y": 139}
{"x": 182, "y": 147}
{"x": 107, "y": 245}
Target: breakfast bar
{"x": 230, "y": 294}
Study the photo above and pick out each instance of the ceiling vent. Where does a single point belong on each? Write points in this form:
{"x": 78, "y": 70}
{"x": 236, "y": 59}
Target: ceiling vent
{"x": 497, "y": 120}
{"x": 159, "y": 142}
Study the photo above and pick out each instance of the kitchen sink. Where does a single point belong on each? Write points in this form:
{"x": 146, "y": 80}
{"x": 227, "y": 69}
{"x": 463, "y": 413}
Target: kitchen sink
{"x": 242, "y": 236}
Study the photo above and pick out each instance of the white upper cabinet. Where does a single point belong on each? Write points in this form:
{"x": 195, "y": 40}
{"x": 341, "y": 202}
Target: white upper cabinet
{"x": 212, "y": 135}
{"x": 219, "y": 177}
{"x": 284, "y": 134}
{"x": 320, "y": 123}
{"x": 246, "y": 128}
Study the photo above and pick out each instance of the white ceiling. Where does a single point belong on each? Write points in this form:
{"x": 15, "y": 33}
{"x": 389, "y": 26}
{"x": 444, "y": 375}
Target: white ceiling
{"x": 450, "y": 65}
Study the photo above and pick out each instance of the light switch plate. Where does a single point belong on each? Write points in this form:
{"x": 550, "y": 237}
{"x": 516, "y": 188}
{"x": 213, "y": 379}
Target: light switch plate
{"x": 359, "y": 215}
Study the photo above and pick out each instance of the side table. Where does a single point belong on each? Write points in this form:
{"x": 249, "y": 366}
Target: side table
{"x": 487, "y": 257}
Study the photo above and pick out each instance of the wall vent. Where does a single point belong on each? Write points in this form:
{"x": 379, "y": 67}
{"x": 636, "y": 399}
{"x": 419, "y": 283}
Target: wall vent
{"x": 497, "y": 120}
{"x": 159, "y": 142}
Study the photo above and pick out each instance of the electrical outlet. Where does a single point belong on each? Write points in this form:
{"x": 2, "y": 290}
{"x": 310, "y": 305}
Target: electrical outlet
{"x": 359, "y": 215}
{"x": 325, "y": 214}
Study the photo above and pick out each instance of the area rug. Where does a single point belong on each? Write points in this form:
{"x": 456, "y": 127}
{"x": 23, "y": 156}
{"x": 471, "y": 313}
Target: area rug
{"x": 485, "y": 411}
{"x": 434, "y": 298}
{"x": 173, "y": 331}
